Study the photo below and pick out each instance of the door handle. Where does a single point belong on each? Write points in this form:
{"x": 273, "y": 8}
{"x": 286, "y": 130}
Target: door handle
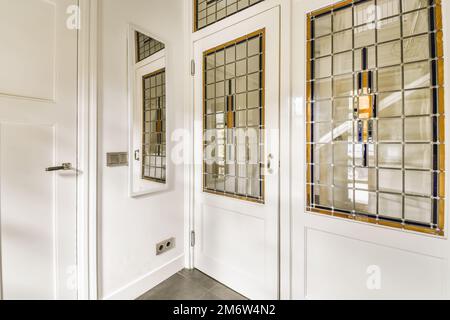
{"x": 63, "y": 167}
{"x": 136, "y": 155}
{"x": 269, "y": 163}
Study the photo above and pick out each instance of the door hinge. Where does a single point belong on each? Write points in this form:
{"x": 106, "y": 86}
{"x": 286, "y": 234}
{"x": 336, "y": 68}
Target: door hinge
{"x": 192, "y": 68}
{"x": 193, "y": 239}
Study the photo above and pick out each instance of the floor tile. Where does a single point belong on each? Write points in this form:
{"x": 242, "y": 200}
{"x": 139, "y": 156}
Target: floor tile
{"x": 225, "y": 293}
{"x": 191, "y": 285}
{"x": 202, "y": 279}
{"x": 176, "y": 288}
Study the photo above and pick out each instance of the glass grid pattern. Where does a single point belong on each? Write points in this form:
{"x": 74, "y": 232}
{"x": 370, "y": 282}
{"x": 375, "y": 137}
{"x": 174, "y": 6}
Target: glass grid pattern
{"x": 146, "y": 46}
{"x": 154, "y": 127}
{"x": 234, "y": 119}
{"x": 211, "y": 11}
{"x": 396, "y": 175}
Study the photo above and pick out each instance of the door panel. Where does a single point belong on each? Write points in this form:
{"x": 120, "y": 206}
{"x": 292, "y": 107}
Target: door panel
{"x": 236, "y": 152}
{"x": 337, "y": 258}
{"x": 38, "y": 129}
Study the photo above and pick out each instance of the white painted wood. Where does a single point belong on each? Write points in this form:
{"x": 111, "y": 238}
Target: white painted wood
{"x": 29, "y": 70}
{"x": 87, "y": 151}
{"x": 335, "y": 258}
{"x": 38, "y": 120}
{"x": 237, "y": 241}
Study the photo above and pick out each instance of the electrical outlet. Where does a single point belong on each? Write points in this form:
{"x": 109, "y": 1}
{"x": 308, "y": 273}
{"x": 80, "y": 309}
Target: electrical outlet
{"x": 165, "y": 246}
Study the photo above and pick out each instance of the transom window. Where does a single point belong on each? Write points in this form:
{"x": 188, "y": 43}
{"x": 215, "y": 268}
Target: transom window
{"x": 210, "y": 11}
{"x": 146, "y": 46}
{"x": 234, "y": 118}
{"x": 375, "y": 113}
{"x": 154, "y": 130}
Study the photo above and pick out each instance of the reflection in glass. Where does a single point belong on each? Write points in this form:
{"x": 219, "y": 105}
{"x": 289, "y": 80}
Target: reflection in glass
{"x": 375, "y": 102}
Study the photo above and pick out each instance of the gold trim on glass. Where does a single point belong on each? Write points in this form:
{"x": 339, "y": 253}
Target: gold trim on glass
{"x": 432, "y": 230}
{"x": 262, "y": 34}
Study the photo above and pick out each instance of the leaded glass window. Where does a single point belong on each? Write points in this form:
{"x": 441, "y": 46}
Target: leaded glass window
{"x": 375, "y": 113}
{"x": 154, "y": 128}
{"x": 210, "y": 11}
{"x": 146, "y": 46}
{"x": 234, "y": 118}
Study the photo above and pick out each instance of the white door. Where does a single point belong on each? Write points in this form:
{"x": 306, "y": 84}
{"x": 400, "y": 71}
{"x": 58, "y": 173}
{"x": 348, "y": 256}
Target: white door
{"x": 236, "y": 155}
{"x": 38, "y": 129}
{"x": 340, "y": 258}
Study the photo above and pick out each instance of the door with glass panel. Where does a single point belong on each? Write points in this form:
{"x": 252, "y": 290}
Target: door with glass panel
{"x": 236, "y": 153}
{"x": 375, "y": 219}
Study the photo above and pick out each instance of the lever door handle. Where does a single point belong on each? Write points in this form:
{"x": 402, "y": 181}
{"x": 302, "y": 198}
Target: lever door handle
{"x": 63, "y": 167}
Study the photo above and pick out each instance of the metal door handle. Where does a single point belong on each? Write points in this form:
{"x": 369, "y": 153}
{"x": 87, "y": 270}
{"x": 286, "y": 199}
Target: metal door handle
{"x": 63, "y": 167}
{"x": 269, "y": 163}
{"x": 136, "y": 155}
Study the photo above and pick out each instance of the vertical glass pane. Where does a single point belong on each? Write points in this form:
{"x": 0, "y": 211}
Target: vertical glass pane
{"x": 342, "y": 41}
{"x": 390, "y": 155}
{"x": 366, "y": 202}
{"x": 388, "y": 29}
{"x": 418, "y": 182}
{"x": 342, "y": 63}
{"x": 388, "y": 8}
{"x": 343, "y": 199}
{"x": 322, "y": 46}
{"x": 208, "y": 12}
{"x": 236, "y": 169}
{"x": 154, "y": 144}
{"x": 418, "y": 102}
{"x": 418, "y": 156}
{"x": 322, "y": 26}
{"x": 418, "y": 209}
{"x": 390, "y": 104}
{"x": 416, "y": 48}
{"x": 390, "y": 180}
{"x": 390, "y": 205}
{"x": 379, "y": 162}
{"x": 342, "y": 19}
{"x": 415, "y": 23}
{"x": 389, "y": 54}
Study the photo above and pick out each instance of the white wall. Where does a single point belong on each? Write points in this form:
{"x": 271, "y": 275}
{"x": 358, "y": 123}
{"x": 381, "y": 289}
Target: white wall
{"x": 130, "y": 228}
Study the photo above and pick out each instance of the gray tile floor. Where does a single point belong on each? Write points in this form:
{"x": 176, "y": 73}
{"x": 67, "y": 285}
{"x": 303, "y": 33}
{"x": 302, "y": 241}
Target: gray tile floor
{"x": 191, "y": 285}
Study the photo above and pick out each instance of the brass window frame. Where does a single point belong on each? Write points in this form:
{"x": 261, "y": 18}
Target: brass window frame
{"x": 439, "y": 86}
{"x": 195, "y": 27}
{"x": 140, "y": 58}
{"x": 163, "y": 132}
{"x": 259, "y": 33}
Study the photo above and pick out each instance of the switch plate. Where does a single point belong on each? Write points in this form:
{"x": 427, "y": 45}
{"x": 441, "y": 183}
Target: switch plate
{"x": 117, "y": 159}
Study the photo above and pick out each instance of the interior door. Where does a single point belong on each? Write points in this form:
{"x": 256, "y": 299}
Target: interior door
{"x": 38, "y": 130}
{"x": 236, "y": 155}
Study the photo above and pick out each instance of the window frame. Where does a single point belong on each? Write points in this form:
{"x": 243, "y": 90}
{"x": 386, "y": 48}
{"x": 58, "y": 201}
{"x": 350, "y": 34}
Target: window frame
{"x": 137, "y": 70}
{"x": 195, "y": 14}
{"x": 262, "y": 34}
{"x": 439, "y": 157}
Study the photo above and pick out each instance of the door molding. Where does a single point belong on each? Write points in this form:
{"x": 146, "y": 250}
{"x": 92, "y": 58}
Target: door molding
{"x": 285, "y": 215}
{"x": 87, "y": 240}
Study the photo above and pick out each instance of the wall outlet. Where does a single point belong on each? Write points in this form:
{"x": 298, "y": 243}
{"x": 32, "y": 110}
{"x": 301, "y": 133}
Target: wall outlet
{"x": 165, "y": 246}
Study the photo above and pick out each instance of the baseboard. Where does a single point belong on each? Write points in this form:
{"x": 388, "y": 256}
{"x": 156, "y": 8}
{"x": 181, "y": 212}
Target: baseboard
{"x": 138, "y": 287}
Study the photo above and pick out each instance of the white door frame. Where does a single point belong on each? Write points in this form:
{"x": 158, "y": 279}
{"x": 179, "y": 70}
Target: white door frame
{"x": 285, "y": 130}
{"x": 87, "y": 152}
